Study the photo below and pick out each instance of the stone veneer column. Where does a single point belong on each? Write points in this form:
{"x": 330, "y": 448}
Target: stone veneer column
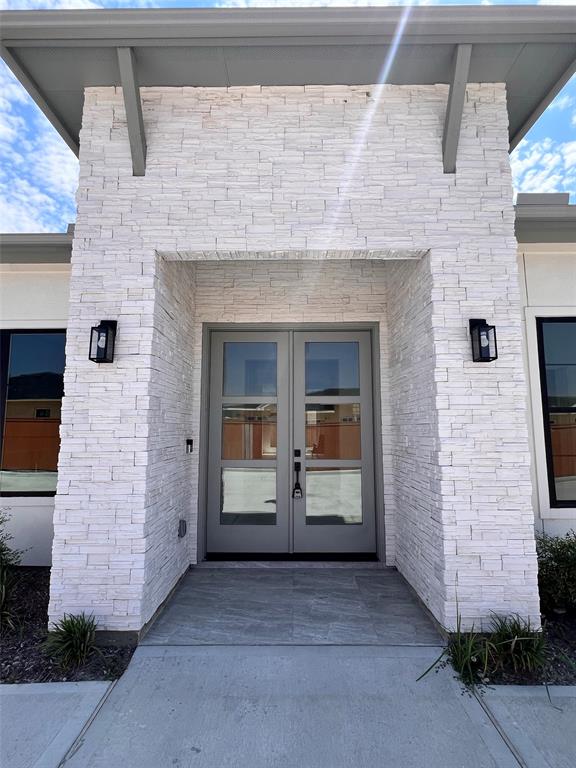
{"x": 125, "y": 479}
{"x": 100, "y": 507}
{"x": 483, "y": 447}
{"x": 465, "y": 525}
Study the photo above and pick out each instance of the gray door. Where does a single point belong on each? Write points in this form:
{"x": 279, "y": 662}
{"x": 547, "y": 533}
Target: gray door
{"x": 290, "y": 465}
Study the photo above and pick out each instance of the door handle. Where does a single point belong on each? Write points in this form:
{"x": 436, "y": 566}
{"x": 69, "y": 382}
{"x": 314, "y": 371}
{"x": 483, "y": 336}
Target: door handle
{"x": 297, "y": 489}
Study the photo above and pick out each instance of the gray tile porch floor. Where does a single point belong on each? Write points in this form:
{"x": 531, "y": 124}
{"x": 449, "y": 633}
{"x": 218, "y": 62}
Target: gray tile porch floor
{"x": 288, "y": 606}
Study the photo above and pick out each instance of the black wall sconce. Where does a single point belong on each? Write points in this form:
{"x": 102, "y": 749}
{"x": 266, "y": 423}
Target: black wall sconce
{"x": 483, "y": 336}
{"x": 102, "y": 339}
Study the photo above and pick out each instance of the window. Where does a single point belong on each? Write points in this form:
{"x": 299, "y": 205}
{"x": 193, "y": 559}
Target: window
{"x": 557, "y": 351}
{"x": 31, "y": 388}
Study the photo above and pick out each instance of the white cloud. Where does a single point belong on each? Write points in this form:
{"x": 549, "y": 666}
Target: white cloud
{"x": 316, "y": 3}
{"x": 544, "y": 166}
{"x": 562, "y": 102}
{"x": 70, "y": 5}
{"x": 47, "y": 5}
{"x": 38, "y": 173}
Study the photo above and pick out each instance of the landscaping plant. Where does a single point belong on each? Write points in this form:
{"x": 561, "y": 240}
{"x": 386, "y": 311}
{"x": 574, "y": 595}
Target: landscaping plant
{"x": 557, "y": 571}
{"x": 9, "y": 559}
{"x": 467, "y": 652}
{"x": 513, "y": 643}
{"x": 72, "y": 640}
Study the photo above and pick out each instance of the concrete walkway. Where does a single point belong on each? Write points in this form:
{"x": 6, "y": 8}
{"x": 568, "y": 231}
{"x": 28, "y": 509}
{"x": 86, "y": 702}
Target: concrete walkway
{"x": 540, "y": 724}
{"x": 289, "y": 707}
{"x": 39, "y": 722}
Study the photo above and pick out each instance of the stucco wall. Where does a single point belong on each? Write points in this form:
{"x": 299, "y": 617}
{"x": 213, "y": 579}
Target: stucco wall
{"x": 32, "y": 296}
{"x": 548, "y": 281}
{"x": 231, "y": 172}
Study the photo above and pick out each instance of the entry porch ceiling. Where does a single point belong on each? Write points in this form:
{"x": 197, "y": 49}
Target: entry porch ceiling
{"x": 56, "y": 54}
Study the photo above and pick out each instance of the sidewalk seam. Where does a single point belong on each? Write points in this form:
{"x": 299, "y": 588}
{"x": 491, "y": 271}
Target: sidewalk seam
{"x": 505, "y": 738}
{"x": 77, "y": 743}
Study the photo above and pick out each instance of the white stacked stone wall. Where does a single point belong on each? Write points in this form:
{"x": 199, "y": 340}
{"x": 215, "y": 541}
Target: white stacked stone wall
{"x": 291, "y": 170}
{"x": 171, "y": 477}
{"x": 417, "y": 475}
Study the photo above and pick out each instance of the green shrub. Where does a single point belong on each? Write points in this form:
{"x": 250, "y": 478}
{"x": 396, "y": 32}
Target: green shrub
{"x": 8, "y": 555}
{"x": 470, "y": 654}
{"x": 8, "y": 616}
{"x": 557, "y": 571}
{"x": 513, "y": 643}
{"x": 72, "y": 640}
{"x": 9, "y": 559}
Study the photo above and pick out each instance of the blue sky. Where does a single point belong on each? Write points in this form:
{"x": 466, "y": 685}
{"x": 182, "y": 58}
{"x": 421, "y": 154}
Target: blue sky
{"x": 38, "y": 173}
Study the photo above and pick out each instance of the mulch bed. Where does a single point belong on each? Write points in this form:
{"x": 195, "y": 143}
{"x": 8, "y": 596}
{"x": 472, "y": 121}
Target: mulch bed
{"x": 22, "y": 659}
{"x": 560, "y": 668}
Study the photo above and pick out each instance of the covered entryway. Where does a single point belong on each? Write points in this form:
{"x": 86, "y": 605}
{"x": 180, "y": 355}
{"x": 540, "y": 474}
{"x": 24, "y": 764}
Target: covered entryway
{"x": 291, "y": 446}
{"x": 293, "y": 605}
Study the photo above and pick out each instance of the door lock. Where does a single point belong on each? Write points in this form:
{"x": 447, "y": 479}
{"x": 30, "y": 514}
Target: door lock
{"x": 297, "y": 489}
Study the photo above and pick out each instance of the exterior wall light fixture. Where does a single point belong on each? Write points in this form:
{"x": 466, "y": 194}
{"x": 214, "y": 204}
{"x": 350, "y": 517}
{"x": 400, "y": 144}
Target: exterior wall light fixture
{"x": 102, "y": 338}
{"x": 483, "y": 336}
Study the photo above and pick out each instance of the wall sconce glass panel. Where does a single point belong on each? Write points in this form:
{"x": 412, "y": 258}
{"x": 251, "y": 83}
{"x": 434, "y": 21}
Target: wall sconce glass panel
{"x": 102, "y": 340}
{"x": 483, "y": 336}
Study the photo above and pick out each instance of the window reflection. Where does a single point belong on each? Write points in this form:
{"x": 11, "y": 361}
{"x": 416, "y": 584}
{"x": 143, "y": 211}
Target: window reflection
{"x": 248, "y": 496}
{"x": 558, "y": 360}
{"x": 249, "y": 368}
{"x": 32, "y": 406}
{"x": 332, "y": 368}
{"x": 333, "y": 496}
{"x": 333, "y": 431}
{"x": 563, "y": 448}
{"x": 249, "y": 431}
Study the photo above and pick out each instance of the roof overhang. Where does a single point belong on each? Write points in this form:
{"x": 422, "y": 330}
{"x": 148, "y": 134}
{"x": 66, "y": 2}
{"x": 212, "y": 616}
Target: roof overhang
{"x": 56, "y": 54}
{"x": 37, "y": 248}
{"x": 545, "y": 218}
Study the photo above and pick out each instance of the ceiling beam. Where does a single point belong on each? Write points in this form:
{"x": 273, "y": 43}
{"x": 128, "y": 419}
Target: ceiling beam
{"x": 133, "y": 105}
{"x": 39, "y": 99}
{"x": 455, "y": 106}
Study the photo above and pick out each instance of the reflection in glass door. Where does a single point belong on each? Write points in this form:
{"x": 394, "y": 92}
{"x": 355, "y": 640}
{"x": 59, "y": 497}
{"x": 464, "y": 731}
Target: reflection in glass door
{"x": 291, "y": 443}
{"x": 333, "y": 427}
{"x": 248, "y": 493}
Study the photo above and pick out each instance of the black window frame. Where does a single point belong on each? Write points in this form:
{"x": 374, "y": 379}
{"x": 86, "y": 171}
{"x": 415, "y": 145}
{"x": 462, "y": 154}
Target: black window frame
{"x": 555, "y": 503}
{"x": 5, "y": 342}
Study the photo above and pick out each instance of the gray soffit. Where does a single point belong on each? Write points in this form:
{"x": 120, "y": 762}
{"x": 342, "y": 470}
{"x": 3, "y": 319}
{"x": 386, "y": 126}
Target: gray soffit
{"x": 56, "y": 54}
{"x": 42, "y": 248}
{"x": 545, "y": 218}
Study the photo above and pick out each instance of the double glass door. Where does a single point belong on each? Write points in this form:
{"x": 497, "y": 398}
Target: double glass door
{"x": 290, "y": 465}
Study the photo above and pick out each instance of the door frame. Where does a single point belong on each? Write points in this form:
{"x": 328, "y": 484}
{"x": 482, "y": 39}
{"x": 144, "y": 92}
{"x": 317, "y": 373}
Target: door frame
{"x": 203, "y": 459}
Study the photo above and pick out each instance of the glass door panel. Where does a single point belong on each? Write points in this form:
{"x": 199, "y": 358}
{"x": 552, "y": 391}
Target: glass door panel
{"x": 332, "y": 423}
{"x": 249, "y": 431}
{"x": 333, "y": 431}
{"x": 248, "y": 491}
{"x": 333, "y": 496}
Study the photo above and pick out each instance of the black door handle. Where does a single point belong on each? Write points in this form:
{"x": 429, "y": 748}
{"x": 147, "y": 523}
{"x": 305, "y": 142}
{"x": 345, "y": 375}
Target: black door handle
{"x": 297, "y": 489}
